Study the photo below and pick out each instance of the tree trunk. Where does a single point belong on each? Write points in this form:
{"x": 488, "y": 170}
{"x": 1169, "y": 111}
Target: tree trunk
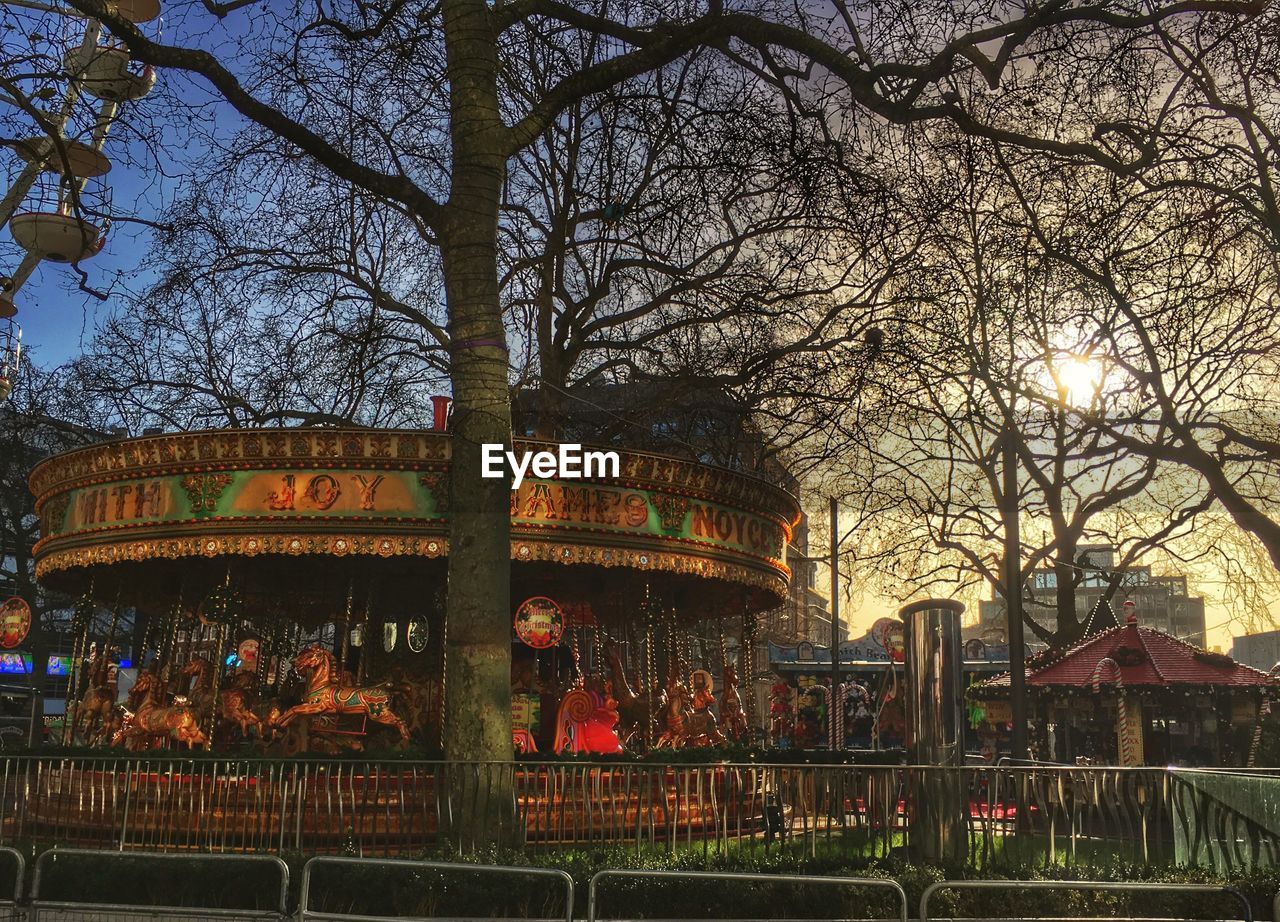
{"x": 478, "y": 697}
{"x": 1070, "y": 625}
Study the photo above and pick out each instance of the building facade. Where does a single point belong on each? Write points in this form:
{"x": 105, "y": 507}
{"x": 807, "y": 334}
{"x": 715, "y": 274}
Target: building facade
{"x": 1261, "y": 651}
{"x": 1160, "y": 602}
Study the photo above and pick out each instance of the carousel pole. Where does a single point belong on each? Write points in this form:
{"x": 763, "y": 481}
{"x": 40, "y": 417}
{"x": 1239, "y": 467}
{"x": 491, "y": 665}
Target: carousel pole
{"x": 444, "y": 675}
{"x": 81, "y": 618}
{"x": 111, "y": 638}
{"x": 266, "y": 651}
{"x": 724, "y": 647}
{"x": 673, "y": 643}
{"x": 649, "y": 670}
{"x": 219, "y": 666}
{"x": 748, "y": 660}
{"x": 168, "y": 637}
{"x": 345, "y": 648}
{"x": 366, "y": 646}
{"x": 577, "y": 656}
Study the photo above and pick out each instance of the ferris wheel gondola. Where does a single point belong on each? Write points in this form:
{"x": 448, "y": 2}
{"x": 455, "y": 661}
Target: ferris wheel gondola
{"x": 57, "y": 206}
{"x": 108, "y": 75}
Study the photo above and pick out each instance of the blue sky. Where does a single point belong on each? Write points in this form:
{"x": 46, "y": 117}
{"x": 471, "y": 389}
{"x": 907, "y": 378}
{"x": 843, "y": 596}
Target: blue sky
{"x": 58, "y": 320}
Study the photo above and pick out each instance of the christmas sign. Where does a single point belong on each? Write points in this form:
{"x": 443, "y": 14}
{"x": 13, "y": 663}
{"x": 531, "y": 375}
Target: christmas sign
{"x": 15, "y": 622}
{"x": 539, "y": 622}
{"x": 526, "y": 712}
{"x": 888, "y": 632}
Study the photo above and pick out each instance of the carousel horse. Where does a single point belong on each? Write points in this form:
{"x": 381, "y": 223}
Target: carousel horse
{"x": 674, "y": 716}
{"x": 122, "y": 714}
{"x": 198, "y": 676}
{"x": 93, "y": 712}
{"x": 325, "y": 697}
{"x": 415, "y": 698}
{"x": 113, "y": 730}
{"x": 701, "y": 723}
{"x": 152, "y": 720}
{"x": 235, "y": 704}
{"x": 733, "y": 722}
{"x": 586, "y": 721}
{"x": 633, "y": 709}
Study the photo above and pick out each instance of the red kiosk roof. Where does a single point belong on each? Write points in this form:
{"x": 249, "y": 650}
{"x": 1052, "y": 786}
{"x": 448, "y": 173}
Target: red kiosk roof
{"x": 1144, "y": 657}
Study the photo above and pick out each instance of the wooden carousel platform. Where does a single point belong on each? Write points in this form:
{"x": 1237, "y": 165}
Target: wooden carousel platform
{"x": 326, "y": 808}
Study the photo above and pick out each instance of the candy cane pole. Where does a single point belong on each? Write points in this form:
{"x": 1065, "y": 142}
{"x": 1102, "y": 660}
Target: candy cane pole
{"x": 1127, "y": 755}
{"x": 1264, "y": 711}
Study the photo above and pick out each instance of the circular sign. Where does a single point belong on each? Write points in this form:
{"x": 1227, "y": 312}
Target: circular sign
{"x": 389, "y": 636}
{"x": 247, "y": 655}
{"x": 15, "y": 622}
{"x": 539, "y": 622}
{"x": 416, "y": 635}
{"x": 888, "y": 633}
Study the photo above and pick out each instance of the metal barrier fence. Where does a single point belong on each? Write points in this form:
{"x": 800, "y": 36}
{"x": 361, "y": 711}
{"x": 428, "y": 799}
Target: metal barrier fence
{"x": 688, "y": 876}
{"x": 369, "y": 808}
{"x": 45, "y": 910}
{"x": 10, "y": 910}
{"x": 1096, "y": 885}
{"x": 306, "y": 911}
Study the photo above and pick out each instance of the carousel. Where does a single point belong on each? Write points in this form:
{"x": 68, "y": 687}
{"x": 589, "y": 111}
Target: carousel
{"x": 283, "y": 591}
{"x": 1132, "y": 695}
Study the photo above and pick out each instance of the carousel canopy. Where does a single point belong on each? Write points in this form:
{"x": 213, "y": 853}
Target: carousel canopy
{"x": 286, "y": 514}
{"x": 1143, "y": 656}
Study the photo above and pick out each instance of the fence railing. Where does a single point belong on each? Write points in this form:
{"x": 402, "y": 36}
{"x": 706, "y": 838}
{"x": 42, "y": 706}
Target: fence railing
{"x": 1234, "y": 898}
{"x": 389, "y": 808}
{"x": 341, "y": 889}
{"x": 82, "y": 897}
{"x": 758, "y": 882}
{"x": 313, "y": 907}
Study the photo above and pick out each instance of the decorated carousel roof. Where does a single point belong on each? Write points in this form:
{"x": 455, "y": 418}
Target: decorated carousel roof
{"x": 1144, "y": 656}
{"x": 278, "y": 506}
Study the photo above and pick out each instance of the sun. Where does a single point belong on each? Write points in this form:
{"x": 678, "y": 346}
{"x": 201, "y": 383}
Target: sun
{"x": 1080, "y": 379}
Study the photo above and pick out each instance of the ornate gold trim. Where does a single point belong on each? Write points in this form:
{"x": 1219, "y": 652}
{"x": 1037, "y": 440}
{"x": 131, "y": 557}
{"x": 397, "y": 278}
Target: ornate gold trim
{"x": 523, "y": 549}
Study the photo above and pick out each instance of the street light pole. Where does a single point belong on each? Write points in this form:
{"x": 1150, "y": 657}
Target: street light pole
{"x": 832, "y": 701}
{"x": 1013, "y": 590}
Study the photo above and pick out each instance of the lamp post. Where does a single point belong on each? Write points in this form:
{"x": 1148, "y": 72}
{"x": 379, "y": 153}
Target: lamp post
{"x": 833, "y": 562}
{"x": 1013, "y": 590}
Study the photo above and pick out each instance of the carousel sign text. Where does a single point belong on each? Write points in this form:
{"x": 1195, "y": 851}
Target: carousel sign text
{"x": 568, "y": 462}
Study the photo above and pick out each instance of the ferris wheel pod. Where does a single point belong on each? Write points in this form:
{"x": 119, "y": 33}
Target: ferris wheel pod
{"x": 59, "y": 238}
{"x": 138, "y": 10}
{"x": 76, "y": 158}
{"x": 106, "y": 75}
{"x": 7, "y": 307}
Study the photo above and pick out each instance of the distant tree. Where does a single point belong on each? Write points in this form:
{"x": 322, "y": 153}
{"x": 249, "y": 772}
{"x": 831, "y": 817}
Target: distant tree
{"x": 985, "y": 338}
{"x": 43, "y": 416}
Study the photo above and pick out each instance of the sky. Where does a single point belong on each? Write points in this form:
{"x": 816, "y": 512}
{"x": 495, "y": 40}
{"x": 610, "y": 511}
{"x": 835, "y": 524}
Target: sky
{"x": 59, "y": 321}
